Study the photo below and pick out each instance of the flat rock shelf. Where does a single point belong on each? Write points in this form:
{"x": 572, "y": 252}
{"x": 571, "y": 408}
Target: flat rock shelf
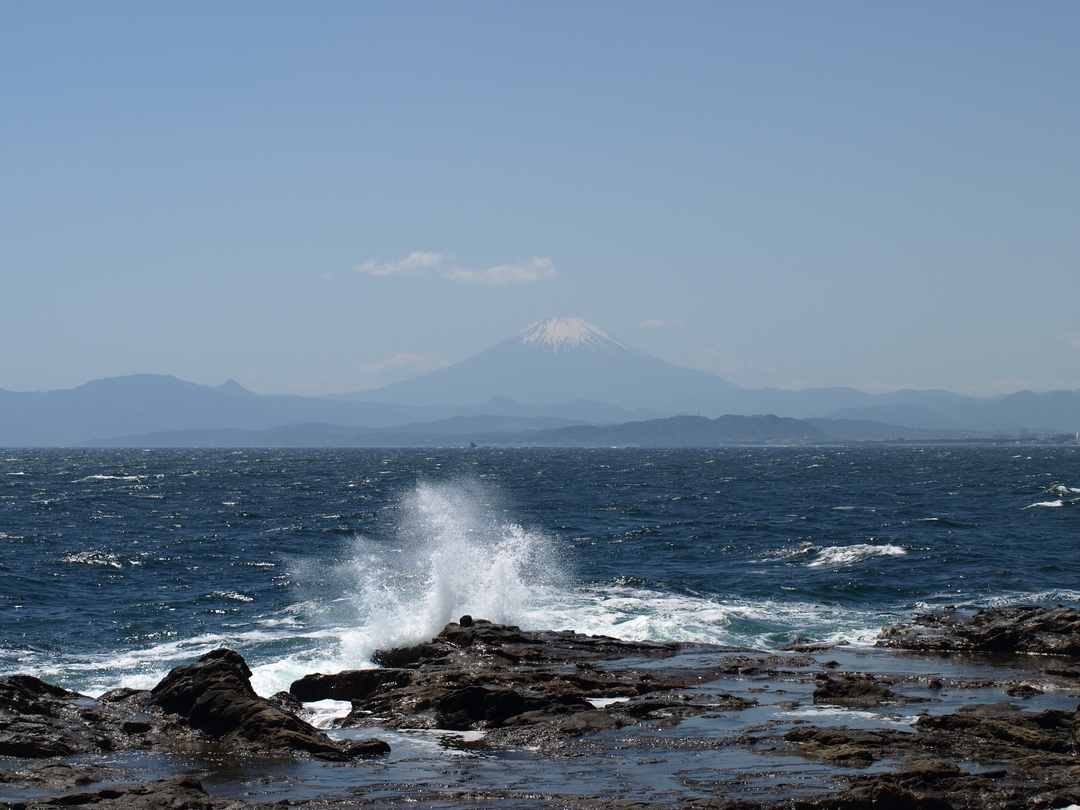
{"x": 948, "y": 711}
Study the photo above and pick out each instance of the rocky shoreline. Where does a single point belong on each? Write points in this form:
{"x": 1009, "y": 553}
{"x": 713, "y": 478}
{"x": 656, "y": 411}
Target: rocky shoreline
{"x": 911, "y": 729}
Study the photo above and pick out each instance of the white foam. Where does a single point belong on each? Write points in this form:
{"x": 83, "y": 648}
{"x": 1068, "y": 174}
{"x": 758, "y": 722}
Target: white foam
{"x": 110, "y": 478}
{"x": 1064, "y": 490}
{"x": 323, "y": 713}
{"x": 840, "y": 713}
{"x": 848, "y": 555}
{"x": 601, "y": 703}
{"x": 238, "y": 597}
{"x": 1045, "y": 503}
{"x": 637, "y": 614}
{"x": 98, "y": 557}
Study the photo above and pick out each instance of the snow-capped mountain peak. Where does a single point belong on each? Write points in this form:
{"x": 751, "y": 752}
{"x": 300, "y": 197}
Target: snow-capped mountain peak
{"x": 565, "y": 334}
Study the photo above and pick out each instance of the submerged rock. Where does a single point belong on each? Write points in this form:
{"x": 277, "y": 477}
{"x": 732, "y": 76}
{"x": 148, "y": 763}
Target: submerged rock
{"x": 172, "y": 793}
{"x": 854, "y": 689}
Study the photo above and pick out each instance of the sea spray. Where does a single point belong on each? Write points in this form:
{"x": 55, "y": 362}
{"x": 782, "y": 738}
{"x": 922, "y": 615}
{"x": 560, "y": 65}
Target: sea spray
{"x": 449, "y": 552}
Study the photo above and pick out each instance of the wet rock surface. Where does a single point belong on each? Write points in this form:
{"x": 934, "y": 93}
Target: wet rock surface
{"x": 214, "y": 695}
{"x": 525, "y": 687}
{"x": 1010, "y": 630}
{"x": 207, "y": 703}
{"x": 571, "y": 698}
{"x": 175, "y": 793}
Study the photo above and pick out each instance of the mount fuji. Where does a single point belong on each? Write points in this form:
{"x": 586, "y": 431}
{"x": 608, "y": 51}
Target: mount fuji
{"x": 561, "y": 360}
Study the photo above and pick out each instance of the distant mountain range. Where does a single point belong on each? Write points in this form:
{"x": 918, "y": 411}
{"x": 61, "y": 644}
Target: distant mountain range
{"x": 485, "y": 431}
{"x": 553, "y": 376}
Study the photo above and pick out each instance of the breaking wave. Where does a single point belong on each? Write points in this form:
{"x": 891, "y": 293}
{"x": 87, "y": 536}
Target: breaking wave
{"x": 849, "y": 555}
{"x": 451, "y": 553}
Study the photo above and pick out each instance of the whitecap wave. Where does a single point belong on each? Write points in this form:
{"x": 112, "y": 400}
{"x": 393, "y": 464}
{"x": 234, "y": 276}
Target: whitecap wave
{"x": 99, "y": 557}
{"x": 639, "y": 614}
{"x": 110, "y": 478}
{"x": 234, "y": 595}
{"x": 1061, "y": 489}
{"x": 849, "y": 555}
{"x": 1066, "y": 496}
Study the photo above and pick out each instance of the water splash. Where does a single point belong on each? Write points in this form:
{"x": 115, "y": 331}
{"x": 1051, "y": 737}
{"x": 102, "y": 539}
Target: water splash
{"x": 450, "y": 552}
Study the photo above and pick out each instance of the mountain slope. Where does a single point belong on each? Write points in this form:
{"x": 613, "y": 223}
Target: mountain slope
{"x": 559, "y": 360}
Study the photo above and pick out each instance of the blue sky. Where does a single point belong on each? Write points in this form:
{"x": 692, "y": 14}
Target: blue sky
{"x": 322, "y": 197}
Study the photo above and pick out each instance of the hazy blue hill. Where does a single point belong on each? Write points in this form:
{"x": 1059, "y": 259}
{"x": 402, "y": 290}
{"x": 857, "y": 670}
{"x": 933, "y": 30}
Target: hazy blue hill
{"x": 1056, "y": 411}
{"x": 304, "y": 435}
{"x": 558, "y": 369}
{"x": 459, "y": 432}
{"x": 863, "y": 430}
{"x": 143, "y": 404}
{"x": 146, "y": 403}
{"x": 909, "y": 415}
{"x": 685, "y": 430}
{"x": 455, "y": 431}
{"x": 547, "y": 432}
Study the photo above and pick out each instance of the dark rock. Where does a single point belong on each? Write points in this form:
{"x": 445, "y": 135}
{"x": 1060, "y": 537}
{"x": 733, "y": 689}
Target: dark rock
{"x": 474, "y": 706}
{"x": 354, "y": 684}
{"x": 214, "y": 695}
{"x": 479, "y": 675}
{"x": 848, "y": 755}
{"x": 369, "y": 747}
{"x": 173, "y": 793}
{"x": 853, "y": 689}
{"x": 39, "y": 720}
{"x": 1023, "y": 691}
{"x": 589, "y": 722}
{"x": 1028, "y": 629}
{"x": 410, "y": 656}
{"x": 288, "y": 702}
{"x": 480, "y": 631}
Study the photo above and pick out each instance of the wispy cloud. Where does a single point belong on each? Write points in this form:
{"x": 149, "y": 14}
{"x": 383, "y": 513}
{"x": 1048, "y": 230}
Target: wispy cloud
{"x": 655, "y": 324}
{"x": 417, "y": 261}
{"x": 421, "y": 262}
{"x": 1071, "y": 339}
{"x": 539, "y": 269}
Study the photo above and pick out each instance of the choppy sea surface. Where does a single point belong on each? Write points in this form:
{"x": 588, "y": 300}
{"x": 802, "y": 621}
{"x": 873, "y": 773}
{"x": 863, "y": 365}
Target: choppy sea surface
{"x": 116, "y": 566}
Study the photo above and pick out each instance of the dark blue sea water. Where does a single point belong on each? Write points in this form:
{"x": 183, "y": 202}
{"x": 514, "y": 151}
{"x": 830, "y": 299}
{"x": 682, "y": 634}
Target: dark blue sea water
{"x": 117, "y": 565}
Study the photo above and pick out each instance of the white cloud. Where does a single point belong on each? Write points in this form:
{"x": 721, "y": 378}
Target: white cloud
{"x": 538, "y": 269}
{"x": 417, "y": 261}
{"x": 1071, "y": 339}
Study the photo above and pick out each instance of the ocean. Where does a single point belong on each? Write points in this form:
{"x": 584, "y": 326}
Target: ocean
{"x": 118, "y": 565}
